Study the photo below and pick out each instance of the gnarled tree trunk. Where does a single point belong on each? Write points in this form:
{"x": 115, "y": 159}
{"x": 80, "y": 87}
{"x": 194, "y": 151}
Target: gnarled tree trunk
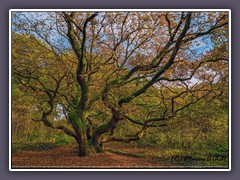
{"x": 79, "y": 126}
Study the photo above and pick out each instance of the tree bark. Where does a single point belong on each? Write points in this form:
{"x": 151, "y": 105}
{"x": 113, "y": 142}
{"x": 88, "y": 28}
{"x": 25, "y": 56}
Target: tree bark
{"x": 102, "y": 129}
{"x": 82, "y": 148}
{"x": 79, "y": 127}
{"x": 96, "y": 142}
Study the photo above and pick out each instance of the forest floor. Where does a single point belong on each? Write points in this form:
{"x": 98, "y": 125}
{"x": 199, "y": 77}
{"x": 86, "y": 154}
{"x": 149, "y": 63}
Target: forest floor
{"x": 120, "y": 156}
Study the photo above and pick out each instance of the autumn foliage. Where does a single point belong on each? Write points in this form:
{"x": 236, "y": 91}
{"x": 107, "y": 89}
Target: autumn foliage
{"x": 132, "y": 77}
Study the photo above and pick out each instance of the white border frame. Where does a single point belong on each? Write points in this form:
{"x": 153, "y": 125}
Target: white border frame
{"x": 112, "y": 10}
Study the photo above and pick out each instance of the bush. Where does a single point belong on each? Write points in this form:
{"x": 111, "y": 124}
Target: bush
{"x": 62, "y": 139}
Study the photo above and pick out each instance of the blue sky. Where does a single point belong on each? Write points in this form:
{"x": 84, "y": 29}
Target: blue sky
{"x": 199, "y": 45}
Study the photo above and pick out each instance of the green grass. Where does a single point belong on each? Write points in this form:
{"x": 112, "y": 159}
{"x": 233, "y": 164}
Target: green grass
{"x": 35, "y": 143}
{"x": 37, "y": 146}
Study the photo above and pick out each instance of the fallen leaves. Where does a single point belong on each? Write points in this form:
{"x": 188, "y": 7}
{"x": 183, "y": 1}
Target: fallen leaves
{"x": 66, "y": 157}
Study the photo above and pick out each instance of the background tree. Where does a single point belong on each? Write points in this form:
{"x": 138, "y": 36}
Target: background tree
{"x": 100, "y": 71}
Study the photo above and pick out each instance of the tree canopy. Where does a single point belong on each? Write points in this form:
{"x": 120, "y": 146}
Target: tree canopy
{"x": 90, "y": 74}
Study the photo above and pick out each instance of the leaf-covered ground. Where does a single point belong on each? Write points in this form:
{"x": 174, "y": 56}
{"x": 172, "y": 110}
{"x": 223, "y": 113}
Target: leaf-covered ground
{"x": 66, "y": 157}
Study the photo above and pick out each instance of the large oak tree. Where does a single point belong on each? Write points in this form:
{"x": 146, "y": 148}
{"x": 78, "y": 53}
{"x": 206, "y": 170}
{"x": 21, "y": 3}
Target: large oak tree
{"x": 98, "y": 70}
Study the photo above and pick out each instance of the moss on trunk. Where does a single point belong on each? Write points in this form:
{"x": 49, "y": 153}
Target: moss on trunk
{"x": 79, "y": 126}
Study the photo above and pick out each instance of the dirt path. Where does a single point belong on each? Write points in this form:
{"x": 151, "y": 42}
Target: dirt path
{"x": 65, "y": 157}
